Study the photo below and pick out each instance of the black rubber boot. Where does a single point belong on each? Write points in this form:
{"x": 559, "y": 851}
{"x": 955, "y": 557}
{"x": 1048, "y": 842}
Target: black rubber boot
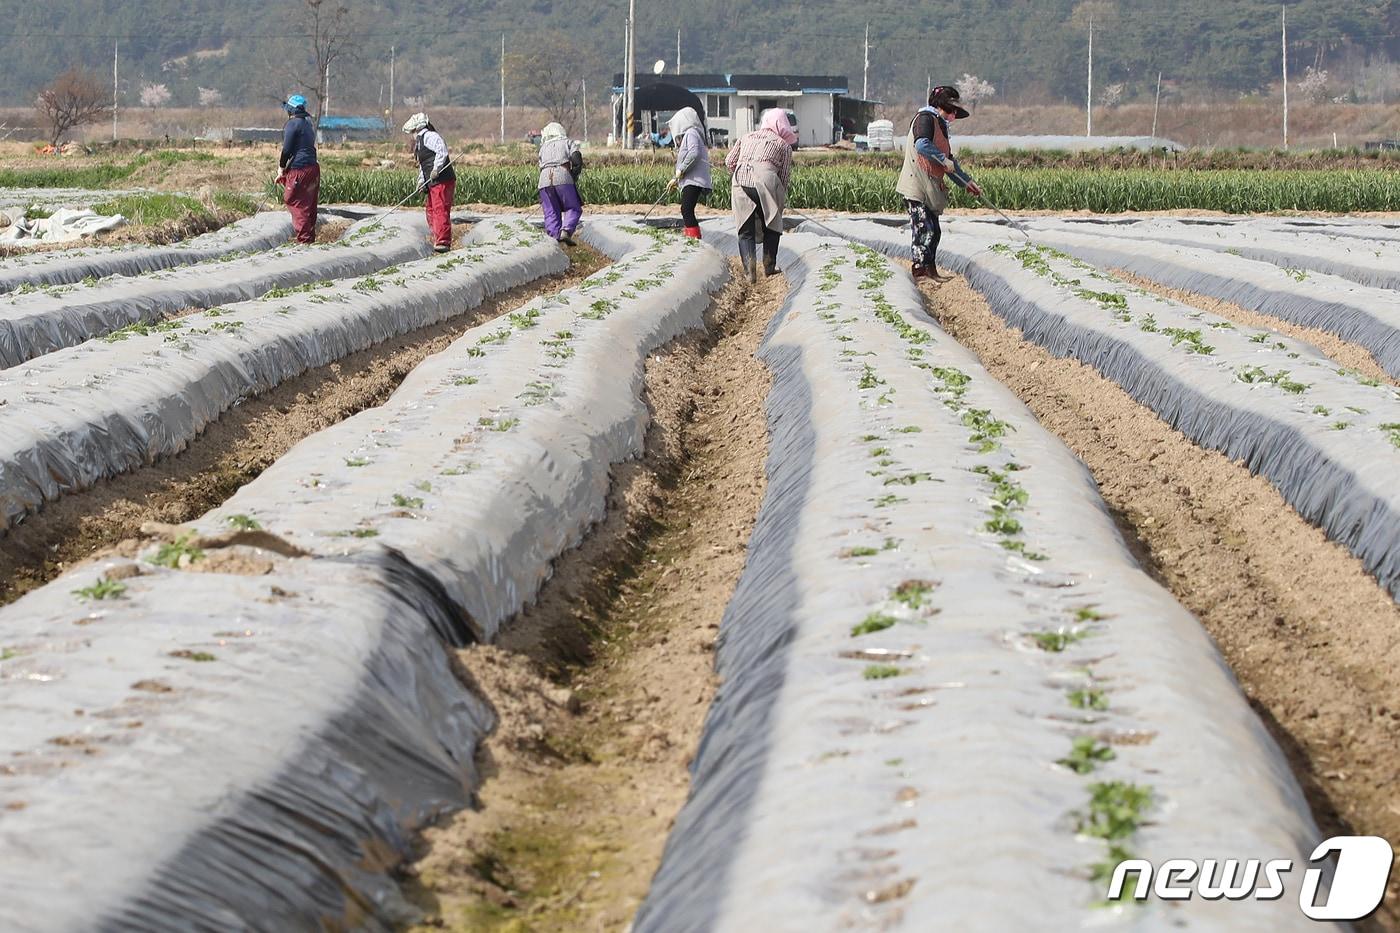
{"x": 747, "y": 257}
{"x": 770, "y": 251}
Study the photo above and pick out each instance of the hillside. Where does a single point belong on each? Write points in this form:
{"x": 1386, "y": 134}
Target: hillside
{"x": 448, "y": 53}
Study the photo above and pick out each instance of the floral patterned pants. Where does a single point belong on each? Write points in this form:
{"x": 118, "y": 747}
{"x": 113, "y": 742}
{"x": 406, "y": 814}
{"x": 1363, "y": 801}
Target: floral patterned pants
{"x": 926, "y": 233}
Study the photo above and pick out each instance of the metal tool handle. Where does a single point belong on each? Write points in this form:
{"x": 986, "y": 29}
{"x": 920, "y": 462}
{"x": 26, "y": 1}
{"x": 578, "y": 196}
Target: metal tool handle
{"x": 412, "y": 194}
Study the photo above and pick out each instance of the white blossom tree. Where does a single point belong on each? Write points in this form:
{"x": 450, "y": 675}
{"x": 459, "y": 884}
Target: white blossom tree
{"x": 973, "y": 90}
{"x": 1314, "y": 84}
{"x": 209, "y": 97}
{"x": 154, "y": 95}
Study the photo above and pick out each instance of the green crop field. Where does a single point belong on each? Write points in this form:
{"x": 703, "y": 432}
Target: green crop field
{"x": 872, "y": 189}
{"x": 1105, "y": 183}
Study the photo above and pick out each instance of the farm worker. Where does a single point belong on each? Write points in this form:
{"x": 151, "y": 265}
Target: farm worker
{"x": 761, "y": 170}
{"x": 928, "y": 159}
{"x": 300, "y": 173}
{"x": 692, "y": 166}
{"x": 435, "y": 175}
{"x": 560, "y": 164}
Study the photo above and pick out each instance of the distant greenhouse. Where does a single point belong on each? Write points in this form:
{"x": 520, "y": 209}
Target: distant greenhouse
{"x": 332, "y": 129}
{"x": 997, "y": 143}
{"x": 342, "y": 129}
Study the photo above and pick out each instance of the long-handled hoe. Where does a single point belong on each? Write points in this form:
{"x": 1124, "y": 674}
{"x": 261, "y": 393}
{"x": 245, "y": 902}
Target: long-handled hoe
{"x": 816, "y": 223}
{"x": 412, "y": 194}
{"x": 1015, "y": 225}
{"x": 655, "y": 204}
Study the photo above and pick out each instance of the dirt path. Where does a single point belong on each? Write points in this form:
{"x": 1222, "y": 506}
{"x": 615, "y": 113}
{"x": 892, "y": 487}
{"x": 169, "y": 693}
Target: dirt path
{"x": 604, "y": 684}
{"x": 235, "y": 449}
{"x": 1308, "y": 632}
{"x": 1348, "y": 354}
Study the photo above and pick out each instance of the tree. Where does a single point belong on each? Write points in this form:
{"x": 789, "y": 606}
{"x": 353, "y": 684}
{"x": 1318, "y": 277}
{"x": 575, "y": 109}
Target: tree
{"x": 154, "y": 95}
{"x": 75, "y": 98}
{"x": 547, "y": 75}
{"x": 209, "y": 97}
{"x": 1314, "y": 85}
{"x": 973, "y": 90}
{"x": 331, "y": 34}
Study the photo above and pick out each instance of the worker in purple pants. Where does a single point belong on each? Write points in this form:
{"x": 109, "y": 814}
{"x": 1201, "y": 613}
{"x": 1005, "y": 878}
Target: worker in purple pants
{"x": 560, "y": 164}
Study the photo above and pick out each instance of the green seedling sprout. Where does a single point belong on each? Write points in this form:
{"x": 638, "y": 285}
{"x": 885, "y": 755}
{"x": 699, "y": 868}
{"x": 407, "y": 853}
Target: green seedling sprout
{"x": 875, "y": 622}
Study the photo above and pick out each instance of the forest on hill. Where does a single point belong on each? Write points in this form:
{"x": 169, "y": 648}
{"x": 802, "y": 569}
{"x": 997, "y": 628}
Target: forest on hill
{"x": 207, "y": 52}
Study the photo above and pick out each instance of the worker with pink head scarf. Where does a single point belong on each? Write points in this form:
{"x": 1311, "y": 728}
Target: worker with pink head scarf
{"x": 760, "y": 167}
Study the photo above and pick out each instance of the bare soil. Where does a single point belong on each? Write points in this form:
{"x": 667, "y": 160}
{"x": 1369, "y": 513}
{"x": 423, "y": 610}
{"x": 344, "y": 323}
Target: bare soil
{"x": 240, "y": 445}
{"x": 1309, "y": 633}
{"x": 1344, "y": 352}
{"x": 239, "y": 173}
{"x": 603, "y": 684}
{"x": 331, "y": 231}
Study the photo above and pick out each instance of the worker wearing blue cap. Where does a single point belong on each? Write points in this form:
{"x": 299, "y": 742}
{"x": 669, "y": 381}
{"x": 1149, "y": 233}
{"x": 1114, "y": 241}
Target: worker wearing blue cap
{"x": 301, "y": 174}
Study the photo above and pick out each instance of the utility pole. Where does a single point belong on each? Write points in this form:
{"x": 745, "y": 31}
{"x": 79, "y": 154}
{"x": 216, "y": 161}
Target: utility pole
{"x": 865, "y": 82}
{"x": 503, "y": 89}
{"x": 585, "y": 111}
{"x": 678, "y": 51}
{"x": 392, "y": 50}
{"x": 326, "y": 100}
{"x": 1285, "y": 77}
{"x": 630, "y": 105}
{"x": 619, "y": 107}
{"x": 1158, "y": 105}
{"x": 1089, "y": 100}
{"x": 114, "y": 91}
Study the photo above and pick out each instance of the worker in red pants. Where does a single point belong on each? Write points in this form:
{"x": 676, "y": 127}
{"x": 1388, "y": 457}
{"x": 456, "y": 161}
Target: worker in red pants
{"x": 435, "y": 174}
{"x": 301, "y": 174}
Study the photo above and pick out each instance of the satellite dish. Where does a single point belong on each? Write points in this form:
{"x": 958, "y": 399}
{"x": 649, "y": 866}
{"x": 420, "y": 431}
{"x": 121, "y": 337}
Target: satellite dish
{"x": 659, "y": 67}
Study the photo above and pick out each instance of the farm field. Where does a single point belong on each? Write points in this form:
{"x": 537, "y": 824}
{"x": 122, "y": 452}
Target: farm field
{"x": 1112, "y": 182}
{"x": 595, "y": 587}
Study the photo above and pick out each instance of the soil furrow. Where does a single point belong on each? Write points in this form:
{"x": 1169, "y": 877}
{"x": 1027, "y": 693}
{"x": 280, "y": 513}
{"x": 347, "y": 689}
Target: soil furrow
{"x": 1308, "y": 632}
{"x": 603, "y": 684}
{"x": 240, "y": 445}
{"x": 1344, "y": 352}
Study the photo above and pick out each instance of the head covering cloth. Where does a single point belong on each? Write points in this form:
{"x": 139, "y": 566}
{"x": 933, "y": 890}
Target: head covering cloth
{"x": 683, "y": 121}
{"x": 776, "y": 121}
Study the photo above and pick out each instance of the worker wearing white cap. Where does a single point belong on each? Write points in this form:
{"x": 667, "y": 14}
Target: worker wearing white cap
{"x": 435, "y": 174}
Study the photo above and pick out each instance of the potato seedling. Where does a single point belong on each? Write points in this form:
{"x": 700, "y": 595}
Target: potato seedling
{"x": 102, "y": 589}
{"x": 881, "y": 671}
{"x": 1086, "y": 754}
{"x": 875, "y": 622}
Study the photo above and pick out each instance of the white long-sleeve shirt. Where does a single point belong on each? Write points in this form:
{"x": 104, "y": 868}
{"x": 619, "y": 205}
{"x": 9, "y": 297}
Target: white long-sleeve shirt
{"x": 433, "y": 141}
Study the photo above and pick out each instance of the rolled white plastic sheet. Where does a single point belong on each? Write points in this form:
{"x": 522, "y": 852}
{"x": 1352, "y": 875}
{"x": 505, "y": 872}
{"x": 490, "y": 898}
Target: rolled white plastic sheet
{"x": 64, "y": 267}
